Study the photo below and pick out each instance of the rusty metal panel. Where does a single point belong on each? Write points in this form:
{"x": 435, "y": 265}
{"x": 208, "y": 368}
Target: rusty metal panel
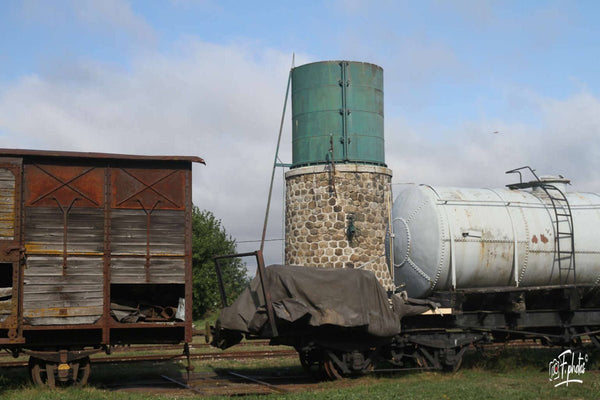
{"x": 63, "y": 186}
{"x": 148, "y": 189}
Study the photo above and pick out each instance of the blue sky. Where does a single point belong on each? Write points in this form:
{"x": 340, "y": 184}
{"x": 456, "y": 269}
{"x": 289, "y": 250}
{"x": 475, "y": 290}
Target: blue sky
{"x": 208, "y": 77}
{"x": 477, "y": 51}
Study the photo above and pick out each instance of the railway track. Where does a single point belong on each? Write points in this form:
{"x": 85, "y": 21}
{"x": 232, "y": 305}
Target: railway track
{"x": 220, "y": 355}
{"x": 237, "y": 355}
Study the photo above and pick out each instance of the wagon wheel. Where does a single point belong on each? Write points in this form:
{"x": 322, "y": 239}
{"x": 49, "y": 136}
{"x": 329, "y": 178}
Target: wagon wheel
{"x": 452, "y": 359}
{"x": 334, "y": 372}
{"x": 454, "y": 365}
{"x": 420, "y": 360}
{"x": 311, "y": 363}
{"x": 42, "y": 372}
{"x": 81, "y": 370}
{"x": 331, "y": 369}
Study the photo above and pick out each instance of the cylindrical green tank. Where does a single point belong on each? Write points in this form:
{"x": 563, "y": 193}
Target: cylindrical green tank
{"x": 339, "y": 105}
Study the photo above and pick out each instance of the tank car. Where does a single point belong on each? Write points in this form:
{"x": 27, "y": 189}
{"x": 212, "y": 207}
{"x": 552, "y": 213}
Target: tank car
{"x": 95, "y": 250}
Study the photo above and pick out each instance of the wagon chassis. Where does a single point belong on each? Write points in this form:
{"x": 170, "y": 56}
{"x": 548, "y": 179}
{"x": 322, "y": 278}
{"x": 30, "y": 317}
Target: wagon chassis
{"x": 556, "y": 315}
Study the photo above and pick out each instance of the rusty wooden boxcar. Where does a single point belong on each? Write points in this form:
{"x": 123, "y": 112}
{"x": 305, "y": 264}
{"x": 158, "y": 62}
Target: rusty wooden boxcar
{"x": 95, "y": 250}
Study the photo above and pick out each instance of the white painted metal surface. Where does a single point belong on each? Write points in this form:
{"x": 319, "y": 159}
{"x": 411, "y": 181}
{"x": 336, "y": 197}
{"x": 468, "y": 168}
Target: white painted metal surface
{"x": 468, "y": 238}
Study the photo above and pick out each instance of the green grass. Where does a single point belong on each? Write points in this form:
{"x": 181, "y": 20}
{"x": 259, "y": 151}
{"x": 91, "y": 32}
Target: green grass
{"x": 209, "y": 317}
{"x": 514, "y": 374}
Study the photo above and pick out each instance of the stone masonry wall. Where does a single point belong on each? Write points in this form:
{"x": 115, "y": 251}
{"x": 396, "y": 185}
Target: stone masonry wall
{"x": 319, "y": 204}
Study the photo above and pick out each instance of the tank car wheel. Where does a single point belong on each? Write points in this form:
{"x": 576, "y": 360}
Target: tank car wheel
{"x": 356, "y": 363}
{"x": 311, "y": 363}
{"x": 454, "y": 365}
{"x": 421, "y": 361}
{"x": 42, "y": 372}
{"x": 452, "y": 359}
{"x": 331, "y": 369}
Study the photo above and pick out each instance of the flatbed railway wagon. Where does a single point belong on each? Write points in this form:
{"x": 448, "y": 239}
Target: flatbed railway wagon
{"x": 95, "y": 251}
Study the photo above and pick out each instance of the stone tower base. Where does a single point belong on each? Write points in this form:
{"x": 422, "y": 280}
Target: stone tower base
{"x": 320, "y": 207}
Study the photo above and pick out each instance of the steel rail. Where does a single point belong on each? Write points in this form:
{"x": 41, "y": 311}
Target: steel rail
{"x": 241, "y": 355}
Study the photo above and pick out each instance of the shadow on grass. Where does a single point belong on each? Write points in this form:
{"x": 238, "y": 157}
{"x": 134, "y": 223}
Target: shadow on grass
{"x": 104, "y": 376}
{"x": 14, "y": 378}
{"x": 508, "y": 359}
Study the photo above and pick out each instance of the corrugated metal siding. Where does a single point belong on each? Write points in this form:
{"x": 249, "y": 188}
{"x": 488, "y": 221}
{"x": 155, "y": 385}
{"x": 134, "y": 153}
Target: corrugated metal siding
{"x": 7, "y": 204}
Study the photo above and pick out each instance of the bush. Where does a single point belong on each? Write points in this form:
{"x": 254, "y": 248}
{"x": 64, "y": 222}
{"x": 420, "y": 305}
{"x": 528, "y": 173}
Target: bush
{"x": 209, "y": 239}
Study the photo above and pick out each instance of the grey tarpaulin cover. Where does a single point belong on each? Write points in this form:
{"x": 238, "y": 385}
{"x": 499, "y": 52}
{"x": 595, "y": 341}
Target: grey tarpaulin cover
{"x": 348, "y": 298}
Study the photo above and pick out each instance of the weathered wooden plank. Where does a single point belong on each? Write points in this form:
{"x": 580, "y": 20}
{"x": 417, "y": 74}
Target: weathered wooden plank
{"x": 44, "y": 230}
{"x": 61, "y": 280}
{"x": 63, "y": 304}
{"x": 45, "y": 288}
{"x": 38, "y": 265}
{"x": 7, "y": 234}
{"x": 62, "y": 296}
{"x": 140, "y": 279}
{"x": 62, "y": 312}
{"x": 6, "y": 307}
{"x": 62, "y": 321}
{"x": 162, "y": 270}
{"x": 7, "y": 204}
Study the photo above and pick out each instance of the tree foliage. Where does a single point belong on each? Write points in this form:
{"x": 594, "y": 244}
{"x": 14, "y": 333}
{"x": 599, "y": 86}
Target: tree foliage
{"x": 209, "y": 239}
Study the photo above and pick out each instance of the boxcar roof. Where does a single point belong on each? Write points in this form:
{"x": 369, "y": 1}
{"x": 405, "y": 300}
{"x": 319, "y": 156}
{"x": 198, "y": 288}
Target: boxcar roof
{"x": 75, "y": 154}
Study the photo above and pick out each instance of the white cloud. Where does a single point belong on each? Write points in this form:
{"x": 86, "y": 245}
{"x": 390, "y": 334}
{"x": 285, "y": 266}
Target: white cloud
{"x": 222, "y": 103}
{"x": 565, "y": 141}
{"x": 113, "y": 18}
{"x": 112, "y": 14}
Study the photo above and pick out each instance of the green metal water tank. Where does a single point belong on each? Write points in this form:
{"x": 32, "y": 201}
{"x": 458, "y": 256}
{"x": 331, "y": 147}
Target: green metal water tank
{"x": 339, "y": 105}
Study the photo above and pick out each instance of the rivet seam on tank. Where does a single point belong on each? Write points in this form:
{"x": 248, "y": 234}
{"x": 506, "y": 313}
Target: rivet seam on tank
{"x": 410, "y": 262}
{"x": 417, "y": 210}
{"x": 419, "y": 270}
{"x": 443, "y": 248}
{"x": 407, "y": 253}
{"x": 525, "y": 258}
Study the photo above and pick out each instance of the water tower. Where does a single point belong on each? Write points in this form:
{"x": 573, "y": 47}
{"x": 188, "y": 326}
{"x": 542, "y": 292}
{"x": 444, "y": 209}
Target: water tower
{"x": 338, "y": 189}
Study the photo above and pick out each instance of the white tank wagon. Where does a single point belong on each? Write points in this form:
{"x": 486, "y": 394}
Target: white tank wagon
{"x": 449, "y": 238}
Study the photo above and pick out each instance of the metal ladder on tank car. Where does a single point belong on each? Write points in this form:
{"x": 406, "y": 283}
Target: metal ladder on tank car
{"x": 564, "y": 238}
